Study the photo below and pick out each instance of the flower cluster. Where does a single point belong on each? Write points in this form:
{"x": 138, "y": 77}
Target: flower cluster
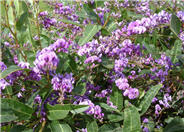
{"x": 46, "y": 60}
{"x": 63, "y": 82}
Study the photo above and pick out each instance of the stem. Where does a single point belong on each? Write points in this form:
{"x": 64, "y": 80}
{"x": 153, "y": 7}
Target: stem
{"x": 106, "y": 21}
{"x": 43, "y": 125}
{"x": 13, "y": 33}
{"x": 38, "y": 30}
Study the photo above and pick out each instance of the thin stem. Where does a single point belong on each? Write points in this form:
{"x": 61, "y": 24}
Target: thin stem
{"x": 13, "y": 33}
{"x": 42, "y": 127}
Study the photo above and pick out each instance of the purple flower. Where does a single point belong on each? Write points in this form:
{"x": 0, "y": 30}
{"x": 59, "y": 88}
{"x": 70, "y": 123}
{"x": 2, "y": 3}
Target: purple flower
{"x": 84, "y": 130}
{"x": 61, "y": 45}
{"x": 146, "y": 129}
{"x": 145, "y": 120}
{"x": 122, "y": 83}
{"x": 38, "y": 99}
{"x": 132, "y": 93}
{"x": 180, "y": 14}
{"x": 19, "y": 95}
{"x": 24, "y": 65}
{"x": 2, "y": 66}
{"x": 46, "y": 60}
{"x": 92, "y": 59}
{"x": 157, "y": 109}
{"x": 3, "y": 84}
{"x": 43, "y": 13}
{"x": 64, "y": 83}
{"x": 120, "y": 64}
{"x": 154, "y": 100}
{"x": 92, "y": 110}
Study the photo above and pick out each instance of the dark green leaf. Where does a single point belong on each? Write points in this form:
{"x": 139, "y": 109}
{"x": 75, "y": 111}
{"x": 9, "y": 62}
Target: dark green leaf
{"x": 108, "y": 63}
{"x": 92, "y": 126}
{"x": 132, "y": 121}
{"x": 115, "y": 117}
{"x": 79, "y": 89}
{"x": 58, "y": 111}
{"x": 175, "y": 24}
{"x": 18, "y": 128}
{"x": 117, "y": 98}
{"x": 89, "y": 32}
{"x": 22, "y": 111}
{"x": 109, "y": 108}
{"x": 105, "y": 32}
{"x": 23, "y": 18}
{"x": 31, "y": 99}
{"x": 176, "y": 125}
{"x": 112, "y": 127}
{"x": 146, "y": 102}
{"x": 59, "y": 127}
{"x": 176, "y": 51}
{"x": 91, "y": 14}
{"x": 7, "y": 115}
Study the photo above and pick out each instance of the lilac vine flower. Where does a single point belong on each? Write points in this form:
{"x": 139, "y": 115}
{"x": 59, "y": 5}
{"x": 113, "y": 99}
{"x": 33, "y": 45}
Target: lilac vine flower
{"x": 122, "y": 83}
{"x": 46, "y": 60}
{"x": 63, "y": 82}
{"x": 93, "y": 109}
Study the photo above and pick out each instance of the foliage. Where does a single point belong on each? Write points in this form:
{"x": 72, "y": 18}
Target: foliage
{"x": 92, "y": 66}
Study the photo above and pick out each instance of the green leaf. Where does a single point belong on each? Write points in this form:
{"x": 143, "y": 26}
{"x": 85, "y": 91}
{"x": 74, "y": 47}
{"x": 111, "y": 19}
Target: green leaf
{"x": 175, "y": 24}
{"x": 22, "y": 111}
{"x": 109, "y": 108}
{"x": 176, "y": 125}
{"x": 9, "y": 70}
{"x": 71, "y": 22}
{"x": 10, "y": 16}
{"x": 24, "y": 6}
{"x": 17, "y": 128}
{"x": 79, "y": 89}
{"x": 9, "y": 90}
{"x": 23, "y": 18}
{"x": 132, "y": 121}
{"x": 58, "y": 111}
{"x": 112, "y": 127}
{"x": 146, "y": 102}
{"x": 43, "y": 5}
{"x": 79, "y": 108}
{"x": 2, "y": 9}
{"x": 117, "y": 98}
{"x": 115, "y": 117}
{"x": 107, "y": 62}
{"x": 112, "y": 26}
{"x": 105, "y": 32}
{"x": 16, "y": 3}
{"x": 55, "y": 126}
{"x": 89, "y": 32}
{"x": 20, "y": 128}
{"x": 176, "y": 51}
{"x": 31, "y": 99}
{"x": 7, "y": 115}
{"x": 92, "y": 126}
{"x": 91, "y": 14}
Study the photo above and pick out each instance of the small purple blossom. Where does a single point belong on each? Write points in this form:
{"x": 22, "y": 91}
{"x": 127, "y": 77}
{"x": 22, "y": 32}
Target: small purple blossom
{"x": 122, "y": 83}
{"x": 64, "y": 83}
{"x": 132, "y": 93}
{"x": 46, "y": 60}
